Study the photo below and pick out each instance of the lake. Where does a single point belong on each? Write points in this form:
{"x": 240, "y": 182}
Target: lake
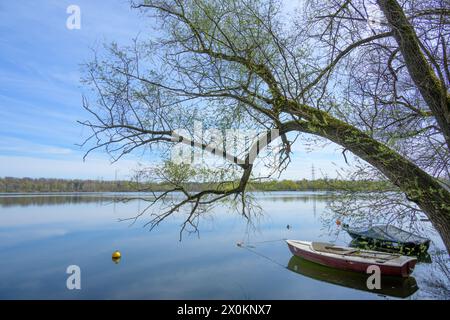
{"x": 41, "y": 235}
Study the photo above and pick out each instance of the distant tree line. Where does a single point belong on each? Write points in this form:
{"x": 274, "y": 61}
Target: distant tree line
{"x": 10, "y": 184}
{"x": 323, "y": 185}
{"x": 14, "y": 185}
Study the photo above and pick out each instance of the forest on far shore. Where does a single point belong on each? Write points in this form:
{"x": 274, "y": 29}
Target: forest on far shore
{"x": 19, "y": 185}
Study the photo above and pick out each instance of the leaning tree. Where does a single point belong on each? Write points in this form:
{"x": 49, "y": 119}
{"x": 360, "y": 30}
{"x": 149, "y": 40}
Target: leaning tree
{"x": 371, "y": 76}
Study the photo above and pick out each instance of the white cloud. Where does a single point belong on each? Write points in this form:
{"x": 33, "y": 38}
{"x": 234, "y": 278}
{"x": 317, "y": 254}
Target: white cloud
{"x": 22, "y": 146}
{"x": 92, "y": 168}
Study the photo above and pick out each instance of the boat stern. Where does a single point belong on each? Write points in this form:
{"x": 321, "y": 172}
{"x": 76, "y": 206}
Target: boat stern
{"x": 408, "y": 267}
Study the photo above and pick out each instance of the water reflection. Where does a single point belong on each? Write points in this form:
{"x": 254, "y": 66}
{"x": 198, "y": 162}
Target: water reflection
{"x": 295, "y": 196}
{"x": 51, "y": 200}
{"x": 24, "y": 200}
{"x": 390, "y": 286}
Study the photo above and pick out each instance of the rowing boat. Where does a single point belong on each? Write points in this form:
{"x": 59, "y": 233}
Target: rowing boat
{"x": 352, "y": 259}
{"x": 390, "y": 237}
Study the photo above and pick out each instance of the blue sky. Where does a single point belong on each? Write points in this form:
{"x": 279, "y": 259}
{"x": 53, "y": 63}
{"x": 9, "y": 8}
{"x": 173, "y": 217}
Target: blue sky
{"x": 40, "y": 91}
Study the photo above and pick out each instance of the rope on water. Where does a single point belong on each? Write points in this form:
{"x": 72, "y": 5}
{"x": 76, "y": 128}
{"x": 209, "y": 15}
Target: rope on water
{"x": 282, "y": 239}
{"x": 252, "y": 244}
{"x": 251, "y": 249}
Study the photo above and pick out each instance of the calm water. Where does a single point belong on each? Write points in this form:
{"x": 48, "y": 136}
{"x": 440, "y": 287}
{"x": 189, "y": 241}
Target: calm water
{"x": 41, "y": 235}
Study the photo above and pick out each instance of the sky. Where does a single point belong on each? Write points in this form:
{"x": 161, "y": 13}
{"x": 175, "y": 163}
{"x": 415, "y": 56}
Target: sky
{"x": 40, "y": 92}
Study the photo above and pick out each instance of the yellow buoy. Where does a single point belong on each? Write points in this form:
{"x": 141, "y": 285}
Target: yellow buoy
{"x": 116, "y": 255}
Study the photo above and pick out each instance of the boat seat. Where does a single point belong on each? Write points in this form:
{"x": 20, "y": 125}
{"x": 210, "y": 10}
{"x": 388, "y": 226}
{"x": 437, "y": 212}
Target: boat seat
{"x": 330, "y": 248}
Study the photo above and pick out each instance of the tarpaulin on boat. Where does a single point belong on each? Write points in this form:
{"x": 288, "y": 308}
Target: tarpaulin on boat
{"x": 388, "y": 233}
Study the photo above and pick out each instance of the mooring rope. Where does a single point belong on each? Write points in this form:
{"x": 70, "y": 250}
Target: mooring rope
{"x": 265, "y": 241}
{"x": 250, "y": 248}
{"x": 253, "y": 244}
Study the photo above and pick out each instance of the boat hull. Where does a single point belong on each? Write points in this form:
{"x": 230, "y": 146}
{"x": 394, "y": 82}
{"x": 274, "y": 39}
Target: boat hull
{"x": 345, "y": 264}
